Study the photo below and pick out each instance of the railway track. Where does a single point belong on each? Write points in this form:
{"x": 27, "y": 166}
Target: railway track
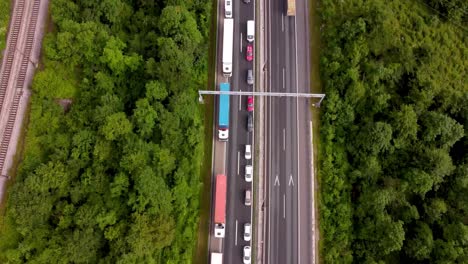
{"x": 15, "y": 27}
{"x": 15, "y": 49}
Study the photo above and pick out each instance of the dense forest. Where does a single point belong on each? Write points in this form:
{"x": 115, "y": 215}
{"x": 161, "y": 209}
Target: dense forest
{"x": 110, "y": 171}
{"x": 394, "y": 159}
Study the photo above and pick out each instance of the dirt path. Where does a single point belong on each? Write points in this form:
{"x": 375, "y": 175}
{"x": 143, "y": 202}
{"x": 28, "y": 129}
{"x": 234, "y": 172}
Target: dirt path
{"x": 21, "y": 58}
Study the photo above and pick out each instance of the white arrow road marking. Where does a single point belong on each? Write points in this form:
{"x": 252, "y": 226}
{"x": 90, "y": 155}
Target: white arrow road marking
{"x": 276, "y": 181}
{"x": 291, "y": 181}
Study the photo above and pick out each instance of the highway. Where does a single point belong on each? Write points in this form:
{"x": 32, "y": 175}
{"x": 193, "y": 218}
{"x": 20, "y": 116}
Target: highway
{"x": 237, "y": 214}
{"x": 287, "y": 167}
{"x": 288, "y": 175}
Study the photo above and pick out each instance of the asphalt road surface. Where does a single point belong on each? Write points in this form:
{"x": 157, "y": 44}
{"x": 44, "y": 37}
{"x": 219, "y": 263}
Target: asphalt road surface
{"x": 237, "y": 214}
{"x": 288, "y": 176}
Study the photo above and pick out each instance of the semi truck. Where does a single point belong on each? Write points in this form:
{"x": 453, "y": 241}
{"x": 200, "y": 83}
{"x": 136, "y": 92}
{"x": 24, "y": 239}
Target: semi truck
{"x": 216, "y": 258}
{"x": 228, "y": 42}
{"x": 220, "y": 206}
{"x": 223, "y": 114}
{"x": 291, "y": 7}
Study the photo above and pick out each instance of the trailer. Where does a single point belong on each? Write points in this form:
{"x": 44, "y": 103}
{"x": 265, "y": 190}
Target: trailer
{"x": 228, "y": 42}
{"x": 250, "y": 30}
{"x": 223, "y": 113}
{"x": 220, "y": 206}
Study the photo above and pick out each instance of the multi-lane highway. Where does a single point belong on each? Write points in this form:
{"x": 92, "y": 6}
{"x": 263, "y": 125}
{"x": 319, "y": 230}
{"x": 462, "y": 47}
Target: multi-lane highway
{"x": 288, "y": 172}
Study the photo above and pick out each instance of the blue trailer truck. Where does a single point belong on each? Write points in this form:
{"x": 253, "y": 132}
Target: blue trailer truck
{"x": 223, "y": 115}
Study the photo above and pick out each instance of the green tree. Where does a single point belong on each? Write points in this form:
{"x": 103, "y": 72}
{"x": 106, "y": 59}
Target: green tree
{"x": 144, "y": 117}
{"x": 441, "y": 130}
{"x": 375, "y": 138}
{"x": 405, "y": 125}
{"x": 148, "y": 233}
{"x": 420, "y": 246}
{"x": 435, "y": 209}
{"x": 116, "y": 125}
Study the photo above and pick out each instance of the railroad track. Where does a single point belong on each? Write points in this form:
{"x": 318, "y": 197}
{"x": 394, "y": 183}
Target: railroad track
{"x": 12, "y": 51}
{"x": 15, "y": 27}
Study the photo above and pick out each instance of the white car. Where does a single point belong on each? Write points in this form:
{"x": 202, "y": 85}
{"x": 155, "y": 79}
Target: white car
{"x": 248, "y": 152}
{"x": 248, "y": 173}
{"x": 247, "y": 256}
{"x": 247, "y": 231}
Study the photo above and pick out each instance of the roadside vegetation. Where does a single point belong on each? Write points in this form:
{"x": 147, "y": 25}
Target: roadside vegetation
{"x": 394, "y": 159}
{"x": 4, "y": 20}
{"x": 112, "y": 157}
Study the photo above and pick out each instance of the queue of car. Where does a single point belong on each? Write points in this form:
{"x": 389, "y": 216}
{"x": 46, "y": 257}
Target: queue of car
{"x": 248, "y": 177}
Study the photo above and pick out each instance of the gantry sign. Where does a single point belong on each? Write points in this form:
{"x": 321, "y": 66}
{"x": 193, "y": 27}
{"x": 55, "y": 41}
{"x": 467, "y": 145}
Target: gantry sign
{"x": 272, "y": 94}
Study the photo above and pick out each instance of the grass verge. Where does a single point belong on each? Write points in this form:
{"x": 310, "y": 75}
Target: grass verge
{"x": 200, "y": 255}
{"x": 4, "y": 19}
{"x": 316, "y": 87}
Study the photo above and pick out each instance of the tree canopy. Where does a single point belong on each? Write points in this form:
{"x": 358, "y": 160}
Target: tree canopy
{"x": 393, "y": 173}
{"x": 114, "y": 178}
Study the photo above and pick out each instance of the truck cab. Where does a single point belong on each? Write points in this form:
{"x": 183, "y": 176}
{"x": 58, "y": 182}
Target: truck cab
{"x": 228, "y": 8}
{"x": 223, "y": 135}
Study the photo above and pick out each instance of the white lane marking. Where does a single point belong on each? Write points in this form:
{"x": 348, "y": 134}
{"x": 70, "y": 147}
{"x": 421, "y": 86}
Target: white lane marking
{"x": 270, "y": 100}
{"x": 313, "y": 192}
{"x": 291, "y": 180}
{"x": 282, "y": 22}
{"x": 240, "y": 43}
{"x": 298, "y": 168}
{"x": 238, "y": 158}
{"x": 284, "y": 80}
{"x": 240, "y": 101}
{"x": 235, "y": 239}
{"x": 276, "y": 180}
{"x": 284, "y": 205}
{"x": 284, "y": 138}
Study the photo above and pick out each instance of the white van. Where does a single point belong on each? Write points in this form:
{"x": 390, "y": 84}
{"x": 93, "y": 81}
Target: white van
{"x": 250, "y": 30}
{"x": 228, "y": 8}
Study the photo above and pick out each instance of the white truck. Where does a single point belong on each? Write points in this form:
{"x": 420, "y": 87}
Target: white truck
{"x": 228, "y": 41}
{"x": 216, "y": 258}
{"x": 250, "y": 30}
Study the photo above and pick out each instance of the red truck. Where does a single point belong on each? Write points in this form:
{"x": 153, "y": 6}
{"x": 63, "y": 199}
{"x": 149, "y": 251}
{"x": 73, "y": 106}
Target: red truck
{"x": 220, "y": 206}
